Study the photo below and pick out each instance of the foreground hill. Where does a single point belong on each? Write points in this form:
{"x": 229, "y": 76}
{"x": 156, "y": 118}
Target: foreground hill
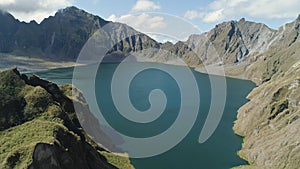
{"x": 39, "y": 127}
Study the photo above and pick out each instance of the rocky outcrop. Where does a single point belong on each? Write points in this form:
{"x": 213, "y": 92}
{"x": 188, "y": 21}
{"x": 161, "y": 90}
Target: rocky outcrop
{"x": 62, "y": 36}
{"x": 269, "y": 122}
{"x": 232, "y": 42}
{"x": 39, "y": 127}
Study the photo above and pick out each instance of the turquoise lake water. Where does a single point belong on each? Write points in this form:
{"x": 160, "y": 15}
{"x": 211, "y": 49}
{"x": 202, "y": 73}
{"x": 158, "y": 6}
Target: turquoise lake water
{"x": 218, "y": 152}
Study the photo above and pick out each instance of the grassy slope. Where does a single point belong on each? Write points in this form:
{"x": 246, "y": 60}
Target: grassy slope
{"x": 269, "y": 121}
{"x": 39, "y": 120}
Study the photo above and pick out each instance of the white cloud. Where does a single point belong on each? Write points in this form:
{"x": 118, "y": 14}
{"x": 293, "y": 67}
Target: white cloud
{"x": 146, "y": 23}
{"x": 220, "y": 10}
{"x": 161, "y": 27}
{"x": 275, "y": 9}
{"x": 145, "y": 5}
{"x": 6, "y": 2}
{"x": 27, "y": 10}
{"x": 192, "y": 14}
{"x": 113, "y": 18}
{"x": 214, "y": 16}
{"x": 162, "y": 38}
{"x": 143, "y": 22}
{"x": 38, "y": 16}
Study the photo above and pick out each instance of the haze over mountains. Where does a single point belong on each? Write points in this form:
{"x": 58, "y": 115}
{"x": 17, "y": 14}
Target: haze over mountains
{"x": 269, "y": 123}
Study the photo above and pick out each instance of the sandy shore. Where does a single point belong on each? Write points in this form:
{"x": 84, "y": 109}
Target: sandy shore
{"x": 30, "y": 64}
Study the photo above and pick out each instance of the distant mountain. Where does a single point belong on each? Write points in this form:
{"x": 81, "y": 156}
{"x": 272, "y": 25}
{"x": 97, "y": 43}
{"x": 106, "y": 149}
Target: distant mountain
{"x": 239, "y": 46}
{"x": 8, "y": 28}
{"x": 60, "y": 37}
{"x": 232, "y": 41}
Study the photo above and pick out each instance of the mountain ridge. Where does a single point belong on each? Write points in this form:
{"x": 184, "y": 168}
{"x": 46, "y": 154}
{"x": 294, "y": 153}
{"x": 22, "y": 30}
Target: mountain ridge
{"x": 61, "y": 37}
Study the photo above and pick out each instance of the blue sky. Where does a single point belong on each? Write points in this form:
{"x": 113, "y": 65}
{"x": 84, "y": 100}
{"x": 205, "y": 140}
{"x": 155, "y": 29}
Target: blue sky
{"x": 172, "y": 18}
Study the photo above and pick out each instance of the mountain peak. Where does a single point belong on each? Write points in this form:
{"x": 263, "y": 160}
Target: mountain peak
{"x": 73, "y": 12}
{"x": 70, "y": 9}
{"x": 242, "y": 20}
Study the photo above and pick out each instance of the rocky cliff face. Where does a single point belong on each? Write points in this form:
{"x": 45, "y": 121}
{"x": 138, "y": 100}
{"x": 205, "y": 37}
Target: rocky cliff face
{"x": 62, "y": 36}
{"x": 39, "y": 127}
{"x": 269, "y": 122}
{"x": 233, "y": 42}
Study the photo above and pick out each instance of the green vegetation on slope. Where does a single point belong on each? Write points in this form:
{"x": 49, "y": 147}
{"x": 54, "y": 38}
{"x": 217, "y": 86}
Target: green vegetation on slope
{"x": 269, "y": 122}
{"x": 18, "y": 143}
{"x": 39, "y": 128}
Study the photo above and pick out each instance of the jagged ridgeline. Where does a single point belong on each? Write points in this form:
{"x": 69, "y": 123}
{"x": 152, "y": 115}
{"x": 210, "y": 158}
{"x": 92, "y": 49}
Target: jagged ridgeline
{"x": 39, "y": 127}
{"x": 62, "y": 36}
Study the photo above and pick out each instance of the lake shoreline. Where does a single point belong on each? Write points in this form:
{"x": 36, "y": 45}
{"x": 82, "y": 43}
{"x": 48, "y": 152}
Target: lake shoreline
{"x": 49, "y": 65}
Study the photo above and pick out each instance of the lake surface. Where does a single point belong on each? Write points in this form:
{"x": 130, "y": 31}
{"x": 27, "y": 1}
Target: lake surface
{"x": 218, "y": 152}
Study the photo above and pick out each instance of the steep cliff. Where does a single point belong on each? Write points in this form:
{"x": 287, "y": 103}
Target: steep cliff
{"x": 269, "y": 122}
{"x": 232, "y": 42}
{"x": 39, "y": 127}
{"x": 62, "y": 36}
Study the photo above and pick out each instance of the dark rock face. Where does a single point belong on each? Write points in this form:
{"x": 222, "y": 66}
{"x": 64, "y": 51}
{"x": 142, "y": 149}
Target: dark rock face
{"x": 8, "y": 28}
{"x": 67, "y": 153}
{"x": 233, "y": 42}
{"x": 62, "y": 36}
{"x": 269, "y": 122}
{"x": 11, "y": 85}
{"x": 61, "y": 142}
